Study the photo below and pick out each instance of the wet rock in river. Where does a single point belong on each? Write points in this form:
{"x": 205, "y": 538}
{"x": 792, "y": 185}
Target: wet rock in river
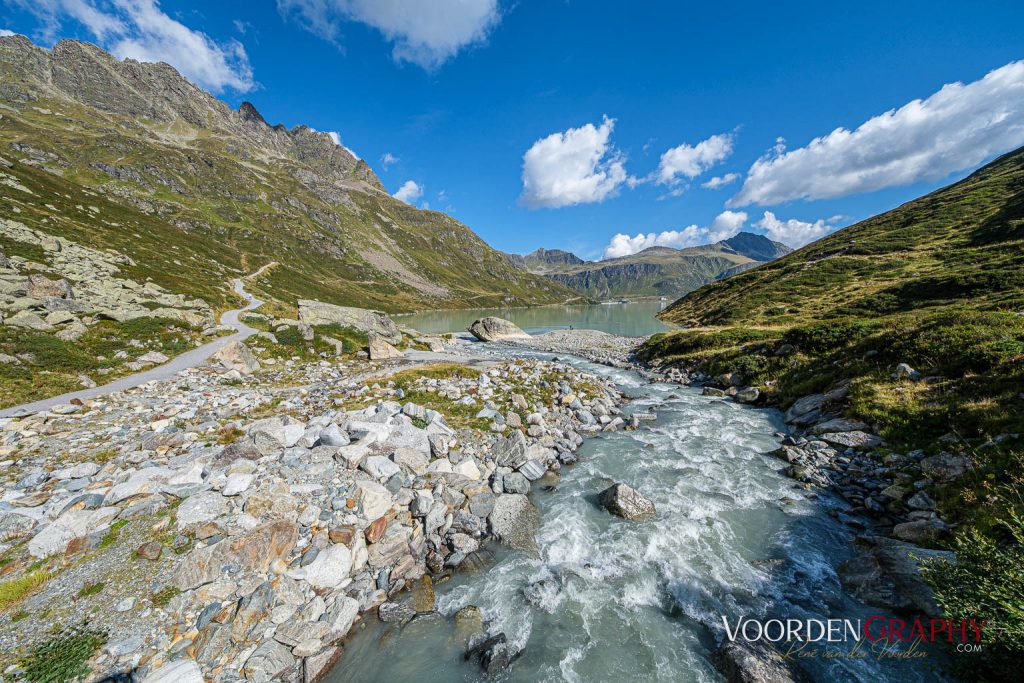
{"x": 626, "y": 502}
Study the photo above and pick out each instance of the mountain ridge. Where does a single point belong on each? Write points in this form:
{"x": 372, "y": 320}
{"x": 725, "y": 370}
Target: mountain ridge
{"x": 229, "y": 191}
{"x": 654, "y": 271}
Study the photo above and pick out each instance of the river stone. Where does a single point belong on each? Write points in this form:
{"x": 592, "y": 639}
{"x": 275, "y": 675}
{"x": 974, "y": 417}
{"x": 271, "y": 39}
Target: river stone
{"x": 753, "y": 662}
{"x": 510, "y": 451}
{"x": 376, "y": 499}
{"x": 254, "y": 551}
{"x": 533, "y": 469}
{"x": 340, "y": 619}
{"x": 492, "y": 328}
{"x": 514, "y": 482}
{"x": 626, "y": 502}
{"x": 747, "y": 395}
{"x": 855, "y": 439}
{"x": 269, "y": 662}
{"x": 493, "y": 654}
{"x": 379, "y": 467}
{"x": 396, "y": 612}
{"x": 364, "y": 320}
{"x": 514, "y": 521}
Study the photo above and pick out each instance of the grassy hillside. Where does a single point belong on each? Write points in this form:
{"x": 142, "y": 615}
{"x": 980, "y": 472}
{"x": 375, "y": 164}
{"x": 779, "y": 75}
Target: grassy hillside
{"x": 961, "y": 245}
{"x": 194, "y": 191}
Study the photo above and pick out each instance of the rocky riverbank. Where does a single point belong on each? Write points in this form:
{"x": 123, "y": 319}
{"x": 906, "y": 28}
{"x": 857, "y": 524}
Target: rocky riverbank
{"x": 231, "y": 524}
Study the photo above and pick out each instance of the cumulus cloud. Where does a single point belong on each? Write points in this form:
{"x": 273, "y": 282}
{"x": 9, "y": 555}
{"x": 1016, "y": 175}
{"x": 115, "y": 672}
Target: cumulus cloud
{"x": 423, "y": 33}
{"x": 409, "y": 192}
{"x": 725, "y": 225}
{"x": 956, "y": 128}
{"x": 689, "y": 161}
{"x": 720, "y": 181}
{"x": 388, "y": 159}
{"x": 5, "y": 32}
{"x": 139, "y": 29}
{"x": 793, "y": 232}
{"x": 578, "y": 166}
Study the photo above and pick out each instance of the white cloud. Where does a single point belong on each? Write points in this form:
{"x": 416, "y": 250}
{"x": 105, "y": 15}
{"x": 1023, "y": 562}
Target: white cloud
{"x": 689, "y": 161}
{"x": 139, "y": 30}
{"x": 720, "y": 181}
{"x": 725, "y": 225}
{"x": 5, "y": 32}
{"x": 337, "y": 140}
{"x": 793, "y": 232}
{"x": 424, "y": 33}
{"x": 409, "y": 192}
{"x": 955, "y": 128}
{"x": 388, "y": 159}
{"x": 579, "y": 166}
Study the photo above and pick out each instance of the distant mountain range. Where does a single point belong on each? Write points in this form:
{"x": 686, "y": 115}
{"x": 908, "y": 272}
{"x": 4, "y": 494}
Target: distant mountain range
{"x": 656, "y": 271}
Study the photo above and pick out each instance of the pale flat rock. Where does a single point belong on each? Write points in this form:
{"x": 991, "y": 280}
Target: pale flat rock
{"x": 179, "y": 671}
{"x": 330, "y": 568}
{"x": 376, "y": 499}
{"x": 201, "y": 508}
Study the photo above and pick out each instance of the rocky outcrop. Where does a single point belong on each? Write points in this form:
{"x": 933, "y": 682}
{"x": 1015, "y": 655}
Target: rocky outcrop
{"x": 361, "y": 319}
{"x": 886, "y": 574}
{"x": 626, "y": 502}
{"x": 492, "y": 329}
{"x": 754, "y": 662}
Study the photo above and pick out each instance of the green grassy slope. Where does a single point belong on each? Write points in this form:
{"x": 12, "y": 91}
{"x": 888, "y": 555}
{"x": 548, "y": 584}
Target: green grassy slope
{"x": 963, "y": 244}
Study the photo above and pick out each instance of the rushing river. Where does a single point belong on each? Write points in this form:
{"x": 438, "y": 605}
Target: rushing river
{"x": 634, "y": 319}
{"x": 612, "y": 600}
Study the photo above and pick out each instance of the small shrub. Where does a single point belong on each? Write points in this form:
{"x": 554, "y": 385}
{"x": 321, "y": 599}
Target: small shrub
{"x": 163, "y": 596}
{"x": 63, "y": 657}
{"x": 986, "y": 582}
{"x": 91, "y": 589}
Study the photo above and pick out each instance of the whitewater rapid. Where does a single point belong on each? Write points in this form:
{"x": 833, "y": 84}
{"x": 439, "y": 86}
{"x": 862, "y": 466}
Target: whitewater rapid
{"x": 611, "y": 600}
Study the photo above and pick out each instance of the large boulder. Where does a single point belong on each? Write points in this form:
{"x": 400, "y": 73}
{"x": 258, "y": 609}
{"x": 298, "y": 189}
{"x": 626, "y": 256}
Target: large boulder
{"x": 514, "y": 521}
{"x": 496, "y": 329}
{"x": 254, "y": 551}
{"x": 626, "y": 502}
{"x": 885, "y": 573}
{"x": 42, "y": 287}
{"x": 237, "y": 356}
{"x": 362, "y": 319}
{"x": 380, "y": 349}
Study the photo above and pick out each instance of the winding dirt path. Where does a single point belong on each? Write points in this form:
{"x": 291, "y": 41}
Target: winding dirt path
{"x": 189, "y": 359}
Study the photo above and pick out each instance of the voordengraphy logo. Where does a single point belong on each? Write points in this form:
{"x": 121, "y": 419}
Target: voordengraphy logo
{"x": 883, "y": 634}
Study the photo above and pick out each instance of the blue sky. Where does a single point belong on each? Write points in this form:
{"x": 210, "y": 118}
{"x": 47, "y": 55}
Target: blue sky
{"x": 595, "y": 126}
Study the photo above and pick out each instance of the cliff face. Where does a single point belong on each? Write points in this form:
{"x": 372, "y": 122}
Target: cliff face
{"x": 229, "y": 191}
